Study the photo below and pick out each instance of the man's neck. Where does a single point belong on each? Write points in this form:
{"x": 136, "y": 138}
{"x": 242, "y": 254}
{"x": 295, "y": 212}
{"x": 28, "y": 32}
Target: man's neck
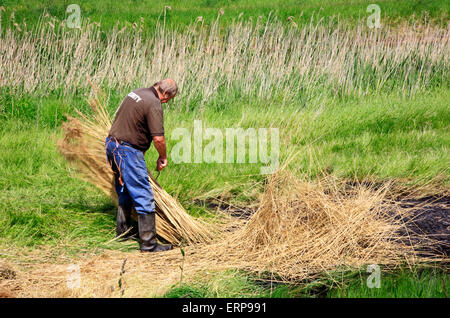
{"x": 160, "y": 96}
{"x": 156, "y": 92}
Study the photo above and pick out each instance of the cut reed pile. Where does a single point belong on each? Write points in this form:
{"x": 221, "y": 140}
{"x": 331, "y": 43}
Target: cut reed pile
{"x": 84, "y": 145}
{"x": 302, "y": 230}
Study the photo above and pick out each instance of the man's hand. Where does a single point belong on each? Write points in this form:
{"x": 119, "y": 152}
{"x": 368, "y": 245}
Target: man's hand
{"x": 161, "y": 163}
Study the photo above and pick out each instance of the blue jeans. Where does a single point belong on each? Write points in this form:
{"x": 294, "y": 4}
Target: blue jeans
{"x": 130, "y": 176}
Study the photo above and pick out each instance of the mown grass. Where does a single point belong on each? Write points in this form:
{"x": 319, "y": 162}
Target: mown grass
{"x": 43, "y": 202}
{"x": 405, "y": 283}
{"x": 401, "y": 283}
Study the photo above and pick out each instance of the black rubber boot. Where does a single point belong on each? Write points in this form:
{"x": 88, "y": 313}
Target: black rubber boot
{"x": 123, "y": 223}
{"x": 147, "y": 234}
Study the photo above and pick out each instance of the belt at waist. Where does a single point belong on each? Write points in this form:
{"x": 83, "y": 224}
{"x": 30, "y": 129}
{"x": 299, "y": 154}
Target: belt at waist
{"x": 122, "y": 142}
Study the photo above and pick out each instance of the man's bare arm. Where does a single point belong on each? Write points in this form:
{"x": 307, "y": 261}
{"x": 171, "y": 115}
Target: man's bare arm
{"x": 160, "y": 145}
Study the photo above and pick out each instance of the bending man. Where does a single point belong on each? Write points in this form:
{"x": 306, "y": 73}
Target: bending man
{"x": 138, "y": 122}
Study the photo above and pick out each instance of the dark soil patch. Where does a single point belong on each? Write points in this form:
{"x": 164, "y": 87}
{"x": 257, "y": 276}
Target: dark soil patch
{"x": 429, "y": 223}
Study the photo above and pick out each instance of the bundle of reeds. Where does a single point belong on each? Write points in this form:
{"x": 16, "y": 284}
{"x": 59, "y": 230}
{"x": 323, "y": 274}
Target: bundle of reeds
{"x": 84, "y": 145}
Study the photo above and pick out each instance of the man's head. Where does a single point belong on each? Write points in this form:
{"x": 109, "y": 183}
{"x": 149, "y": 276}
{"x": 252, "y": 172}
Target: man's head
{"x": 167, "y": 89}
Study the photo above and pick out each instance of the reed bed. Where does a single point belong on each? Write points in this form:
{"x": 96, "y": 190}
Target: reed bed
{"x": 255, "y": 58}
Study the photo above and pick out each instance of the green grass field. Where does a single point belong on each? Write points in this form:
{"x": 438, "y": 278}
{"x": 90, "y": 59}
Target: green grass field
{"x": 182, "y": 13}
{"x": 382, "y": 134}
{"x": 423, "y": 283}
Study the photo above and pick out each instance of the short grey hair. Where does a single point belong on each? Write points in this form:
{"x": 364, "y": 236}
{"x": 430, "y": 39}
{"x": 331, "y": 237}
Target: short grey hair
{"x": 167, "y": 85}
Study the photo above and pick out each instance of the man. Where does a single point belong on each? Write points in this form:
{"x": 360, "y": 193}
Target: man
{"x": 138, "y": 122}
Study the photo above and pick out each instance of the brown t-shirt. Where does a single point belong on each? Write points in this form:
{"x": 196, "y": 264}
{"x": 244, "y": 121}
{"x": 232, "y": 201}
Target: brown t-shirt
{"x": 139, "y": 118}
